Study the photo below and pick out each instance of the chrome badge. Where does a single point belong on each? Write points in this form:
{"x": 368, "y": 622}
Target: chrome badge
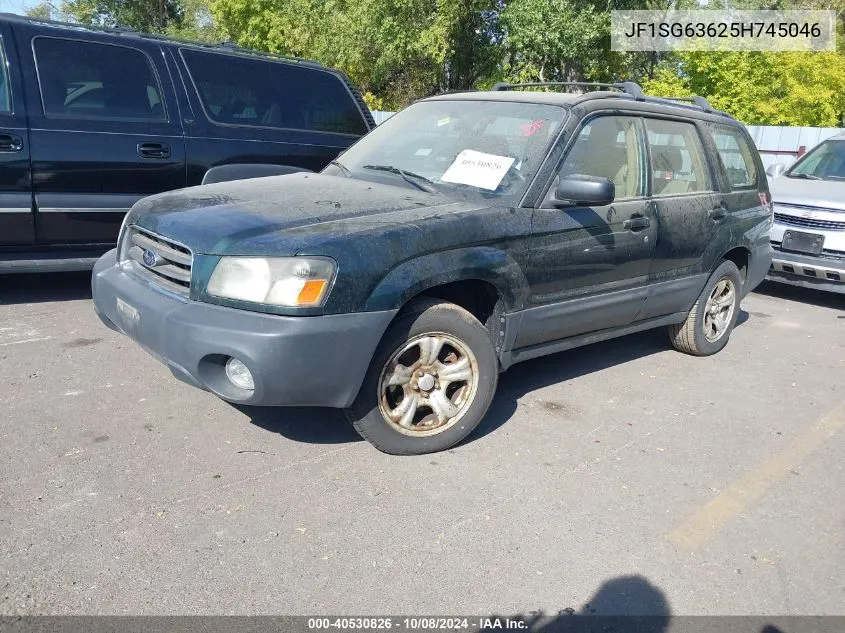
{"x": 150, "y": 258}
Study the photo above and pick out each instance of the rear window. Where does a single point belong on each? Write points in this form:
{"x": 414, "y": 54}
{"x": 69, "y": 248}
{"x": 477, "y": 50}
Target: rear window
{"x": 737, "y": 157}
{"x": 5, "y": 95}
{"x": 678, "y": 165}
{"x": 263, "y": 93}
{"x": 92, "y": 80}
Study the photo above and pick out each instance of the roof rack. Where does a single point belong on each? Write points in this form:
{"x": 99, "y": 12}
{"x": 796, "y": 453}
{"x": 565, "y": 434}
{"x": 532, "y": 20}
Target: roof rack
{"x": 628, "y": 87}
{"x": 701, "y": 102}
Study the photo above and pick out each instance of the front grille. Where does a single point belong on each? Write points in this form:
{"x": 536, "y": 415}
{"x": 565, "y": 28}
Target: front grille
{"x": 158, "y": 259}
{"x": 811, "y": 223}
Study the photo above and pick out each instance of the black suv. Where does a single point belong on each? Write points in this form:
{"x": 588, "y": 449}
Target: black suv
{"x": 93, "y": 120}
{"x": 469, "y": 232}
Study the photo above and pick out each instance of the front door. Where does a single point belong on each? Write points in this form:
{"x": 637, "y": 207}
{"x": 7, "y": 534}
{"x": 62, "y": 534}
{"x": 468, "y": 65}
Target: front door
{"x": 105, "y": 132}
{"x": 588, "y": 266}
{"x": 16, "y": 224}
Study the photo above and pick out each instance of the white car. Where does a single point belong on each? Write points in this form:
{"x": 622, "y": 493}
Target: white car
{"x": 808, "y": 235}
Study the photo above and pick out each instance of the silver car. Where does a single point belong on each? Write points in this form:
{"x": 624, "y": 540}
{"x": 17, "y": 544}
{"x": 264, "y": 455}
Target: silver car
{"x": 808, "y": 235}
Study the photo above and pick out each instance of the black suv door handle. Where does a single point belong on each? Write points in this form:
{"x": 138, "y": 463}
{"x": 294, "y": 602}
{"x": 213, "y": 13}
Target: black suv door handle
{"x": 636, "y": 223}
{"x": 10, "y": 143}
{"x": 719, "y": 213}
{"x": 153, "y": 150}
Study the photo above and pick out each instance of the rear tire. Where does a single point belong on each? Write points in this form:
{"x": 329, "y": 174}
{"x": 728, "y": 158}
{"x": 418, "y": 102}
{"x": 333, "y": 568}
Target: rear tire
{"x": 709, "y": 324}
{"x": 430, "y": 383}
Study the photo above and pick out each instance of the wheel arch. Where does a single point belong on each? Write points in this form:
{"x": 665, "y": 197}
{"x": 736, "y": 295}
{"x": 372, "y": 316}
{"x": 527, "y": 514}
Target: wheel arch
{"x": 466, "y": 276}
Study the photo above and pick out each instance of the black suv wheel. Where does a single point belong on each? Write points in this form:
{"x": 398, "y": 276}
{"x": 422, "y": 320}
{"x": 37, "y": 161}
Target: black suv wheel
{"x": 430, "y": 383}
{"x": 711, "y": 320}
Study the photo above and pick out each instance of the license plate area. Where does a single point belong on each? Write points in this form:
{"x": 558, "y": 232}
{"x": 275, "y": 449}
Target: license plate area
{"x": 801, "y": 242}
{"x": 128, "y": 314}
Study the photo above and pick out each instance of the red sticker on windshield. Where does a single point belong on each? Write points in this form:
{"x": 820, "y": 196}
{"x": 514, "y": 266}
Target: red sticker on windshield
{"x": 530, "y": 129}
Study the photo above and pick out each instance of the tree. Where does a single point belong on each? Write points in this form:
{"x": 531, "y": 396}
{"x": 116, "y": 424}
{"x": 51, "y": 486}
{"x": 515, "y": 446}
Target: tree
{"x": 761, "y": 88}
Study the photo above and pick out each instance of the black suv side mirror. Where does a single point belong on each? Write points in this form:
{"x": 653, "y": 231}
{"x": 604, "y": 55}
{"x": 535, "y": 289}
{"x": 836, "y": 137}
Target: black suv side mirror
{"x": 578, "y": 189}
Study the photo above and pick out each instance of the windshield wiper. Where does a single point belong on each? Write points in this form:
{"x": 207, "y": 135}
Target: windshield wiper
{"x": 408, "y": 176}
{"x": 342, "y": 168}
{"x": 804, "y": 176}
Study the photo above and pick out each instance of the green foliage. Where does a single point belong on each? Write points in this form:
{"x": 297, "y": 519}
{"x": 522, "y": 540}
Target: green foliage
{"x": 790, "y": 88}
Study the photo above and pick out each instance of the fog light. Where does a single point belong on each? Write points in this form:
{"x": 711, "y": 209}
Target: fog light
{"x": 237, "y": 372}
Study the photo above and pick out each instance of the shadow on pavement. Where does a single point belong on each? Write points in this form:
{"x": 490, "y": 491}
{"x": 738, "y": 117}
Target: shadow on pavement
{"x": 44, "y": 287}
{"x": 311, "y": 425}
{"x": 626, "y": 603}
{"x": 811, "y": 296}
{"x": 330, "y": 426}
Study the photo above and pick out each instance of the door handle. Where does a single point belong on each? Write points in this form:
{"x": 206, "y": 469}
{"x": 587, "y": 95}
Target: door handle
{"x": 636, "y": 223}
{"x": 10, "y": 143}
{"x": 153, "y": 150}
{"x": 719, "y": 213}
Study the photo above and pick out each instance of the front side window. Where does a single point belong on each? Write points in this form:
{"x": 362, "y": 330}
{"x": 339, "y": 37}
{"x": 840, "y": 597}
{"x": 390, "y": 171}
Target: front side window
{"x": 100, "y": 81}
{"x": 609, "y": 147}
{"x": 469, "y": 149}
{"x": 264, "y": 93}
{"x": 678, "y": 165}
{"x": 737, "y": 157}
{"x": 5, "y": 93}
{"x": 824, "y": 162}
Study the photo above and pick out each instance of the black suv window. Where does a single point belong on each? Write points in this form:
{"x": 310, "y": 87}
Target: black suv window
{"x": 264, "y": 93}
{"x": 736, "y": 156}
{"x": 91, "y": 80}
{"x": 5, "y": 94}
{"x": 609, "y": 147}
{"x": 678, "y": 164}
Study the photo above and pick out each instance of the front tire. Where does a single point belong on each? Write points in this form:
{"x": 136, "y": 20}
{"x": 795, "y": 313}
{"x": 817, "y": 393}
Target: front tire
{"x": 430, "y": 383}
{"x": 709, "y": 324}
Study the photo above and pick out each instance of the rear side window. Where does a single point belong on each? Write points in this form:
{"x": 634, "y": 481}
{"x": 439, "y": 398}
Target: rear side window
{"x": 90, "y": 80}
{"x": 262, "y": 93}
{"x": 5, "y": 93}
{"x": 737, "y": 157}
{"x": 678, "y": 165}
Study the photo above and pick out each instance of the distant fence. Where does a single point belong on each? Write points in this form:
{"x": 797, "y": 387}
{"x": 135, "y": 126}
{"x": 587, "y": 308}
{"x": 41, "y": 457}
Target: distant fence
{"x": 787, "y": 144}
{"x": 776, "y": 144}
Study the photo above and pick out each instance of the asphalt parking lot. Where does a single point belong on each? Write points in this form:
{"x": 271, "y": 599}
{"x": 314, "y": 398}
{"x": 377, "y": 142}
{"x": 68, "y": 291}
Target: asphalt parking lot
{"x": 619, "y": 478}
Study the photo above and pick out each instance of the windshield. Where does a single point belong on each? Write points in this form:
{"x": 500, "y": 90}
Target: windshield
{"x": 824, "y": 162}
{"x": 471, "y": 149}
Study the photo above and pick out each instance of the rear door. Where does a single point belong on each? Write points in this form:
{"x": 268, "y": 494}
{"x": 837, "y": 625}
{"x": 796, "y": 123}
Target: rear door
{"x": 249, "y": 109}
{"x": 16, "y": 221}
{"x": 105, "y": 132}
{"x": 690, "y": 214}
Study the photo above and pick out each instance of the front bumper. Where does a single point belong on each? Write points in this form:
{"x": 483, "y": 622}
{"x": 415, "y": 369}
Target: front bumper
{"x": 299, "y": 361}
{"x": 825, "y": 271}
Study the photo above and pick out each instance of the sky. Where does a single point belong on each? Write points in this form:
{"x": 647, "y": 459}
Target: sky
{"x": 16, "y": 6}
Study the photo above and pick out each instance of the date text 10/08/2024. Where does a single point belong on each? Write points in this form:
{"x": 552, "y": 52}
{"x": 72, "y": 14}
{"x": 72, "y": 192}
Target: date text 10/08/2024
{"x": 417, "y": 624}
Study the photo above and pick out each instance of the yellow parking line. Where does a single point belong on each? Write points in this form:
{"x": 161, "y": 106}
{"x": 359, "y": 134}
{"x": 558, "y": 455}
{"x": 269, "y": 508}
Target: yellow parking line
{"x": 729, "y": 503}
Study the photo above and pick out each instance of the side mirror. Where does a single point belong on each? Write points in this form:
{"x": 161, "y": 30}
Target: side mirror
{"x": 775, "y": 170}
{"x": 578, "y": 189}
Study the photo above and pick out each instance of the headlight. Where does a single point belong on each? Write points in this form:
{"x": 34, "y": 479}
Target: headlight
{"x": 282, "y": 281}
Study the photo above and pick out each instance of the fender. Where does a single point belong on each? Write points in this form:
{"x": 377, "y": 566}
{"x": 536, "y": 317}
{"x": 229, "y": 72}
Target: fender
{"x": 416, "y": 275}
{"x": 242, "y": 171}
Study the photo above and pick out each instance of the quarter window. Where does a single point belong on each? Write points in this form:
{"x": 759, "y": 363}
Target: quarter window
{"x": 5, "y": 93}
{"x": 102, "y": 81}
{"x": 737, "y": 157}
{"x": 678, "y": 165}
{"x": 264, "y": 93}
{"x": 609, "y": 147}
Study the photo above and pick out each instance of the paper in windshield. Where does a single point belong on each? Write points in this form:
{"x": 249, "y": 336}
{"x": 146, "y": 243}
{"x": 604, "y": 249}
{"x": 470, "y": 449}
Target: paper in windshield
{"x": 478, "y": 169}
